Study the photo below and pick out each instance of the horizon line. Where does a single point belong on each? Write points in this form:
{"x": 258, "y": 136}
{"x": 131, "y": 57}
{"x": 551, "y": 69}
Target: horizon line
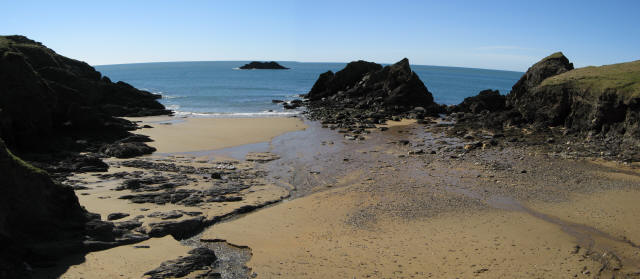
{"x": 293, "y": 61}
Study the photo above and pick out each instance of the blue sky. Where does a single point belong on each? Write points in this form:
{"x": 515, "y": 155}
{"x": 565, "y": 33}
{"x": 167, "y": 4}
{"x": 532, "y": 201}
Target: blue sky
{"x": 509, "y": 35}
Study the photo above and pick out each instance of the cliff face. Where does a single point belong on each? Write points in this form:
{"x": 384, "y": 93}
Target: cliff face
{"x": 601, "y": 100}
{"x": 43, "y": 94}
{"x": 35, "y": 213}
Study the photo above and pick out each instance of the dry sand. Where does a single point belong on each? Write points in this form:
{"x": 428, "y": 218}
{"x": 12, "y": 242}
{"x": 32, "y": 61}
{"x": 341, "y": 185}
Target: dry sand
{"x": 172, "y": 134}
{"x": 127, "y": 261}
{"x": 310, "y": 237}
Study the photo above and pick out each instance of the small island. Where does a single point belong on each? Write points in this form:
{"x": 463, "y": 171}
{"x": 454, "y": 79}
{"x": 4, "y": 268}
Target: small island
{"x": 263, "y": 66}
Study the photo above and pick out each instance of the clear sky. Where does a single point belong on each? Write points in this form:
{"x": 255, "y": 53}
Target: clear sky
{"x": 508, "y": 35}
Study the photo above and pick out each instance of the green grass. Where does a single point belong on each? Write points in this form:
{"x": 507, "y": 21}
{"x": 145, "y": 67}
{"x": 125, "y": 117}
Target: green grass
{"x": 24, "y": 164}
{"x": 623, "y": 77}
{"x": 4, "y": 42}
{"x": 554, "y": 56}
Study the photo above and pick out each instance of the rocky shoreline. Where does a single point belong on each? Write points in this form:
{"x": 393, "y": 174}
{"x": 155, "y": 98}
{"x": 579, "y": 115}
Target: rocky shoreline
{"x": 549, "y": 105}
{"x": 554, "y": 109}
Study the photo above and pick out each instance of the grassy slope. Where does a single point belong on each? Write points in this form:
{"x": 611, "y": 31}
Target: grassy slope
{"x": 623, "y": 77}
{"x": 4, "y": 42}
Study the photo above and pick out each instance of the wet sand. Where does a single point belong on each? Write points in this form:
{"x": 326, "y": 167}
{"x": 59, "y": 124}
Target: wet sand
{"x": 377, "y": 209}
{"x": 175, "y": 138}
{"x": 490, "y": 214}
{"x": 172, "y": 134}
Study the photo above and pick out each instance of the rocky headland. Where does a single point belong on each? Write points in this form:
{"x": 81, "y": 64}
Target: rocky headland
{"x": 62, "y": 116}
{"x": 591, "y": 111}
{"x": 67, "y": 102}
{"x": 263, "y": 66}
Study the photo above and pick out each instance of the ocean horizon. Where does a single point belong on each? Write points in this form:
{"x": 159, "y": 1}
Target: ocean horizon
{"x": 220, "y": 89}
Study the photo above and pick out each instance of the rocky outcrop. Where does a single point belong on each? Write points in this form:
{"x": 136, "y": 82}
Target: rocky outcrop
{"x": 41, "y": 220}
{"x": 599, "y": 106}
{"x": 127, "y": 149}
{"x": 370, "y": 86}
{"x": 36, "y": 216}
{"x": 601, "y": 100}
{"x": 522, "y": 97}
{"x": 199, "y": 259}
{"x": 329, "y": 83}
{"x": 46, "y": 95}
{"x": 263, "y": 66}
{"x": 364, "y": 94}
{"x": 487, "y": 100}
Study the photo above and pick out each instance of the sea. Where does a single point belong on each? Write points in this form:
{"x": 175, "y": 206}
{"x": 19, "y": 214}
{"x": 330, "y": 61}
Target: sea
{"x": 220, "y": 89}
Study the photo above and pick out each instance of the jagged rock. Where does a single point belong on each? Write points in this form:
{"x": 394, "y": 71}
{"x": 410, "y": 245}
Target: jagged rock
{"x": 199, "y": 259}
{"x": 127, "y": 149}
{"x": 46, "y": 95}
{"x": 117, "y": 216}
{"x": 364, "y": 94}
{"x": 549, "y": 66}
{"x": 178, "y": 229}
{"x": 293, "y": 104}
{"x": 329, "y": 83}
{"x": 263, "y": 66}
{"x": 486, "y": 100}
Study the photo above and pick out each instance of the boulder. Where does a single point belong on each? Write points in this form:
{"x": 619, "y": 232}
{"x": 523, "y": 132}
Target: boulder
{"x": 178, "y": 229}
{"x": 127, "y": 149}
{"x": 199, "y": 259}
{"x": 486, "y": 100}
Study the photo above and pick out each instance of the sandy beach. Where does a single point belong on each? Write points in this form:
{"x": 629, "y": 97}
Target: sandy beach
{"x": 173, "y": 134}
{"x": 365, "y": 209}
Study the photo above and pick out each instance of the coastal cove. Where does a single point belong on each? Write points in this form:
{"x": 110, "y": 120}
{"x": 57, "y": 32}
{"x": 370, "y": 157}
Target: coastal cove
{"x": 321, "y": 170}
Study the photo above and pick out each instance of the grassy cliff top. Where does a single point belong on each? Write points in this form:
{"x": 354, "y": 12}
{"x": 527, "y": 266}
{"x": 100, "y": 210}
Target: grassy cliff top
{"x": 4, "y": 42}
{"x": 556, "y": 55}
{"x": 623, "y": 77}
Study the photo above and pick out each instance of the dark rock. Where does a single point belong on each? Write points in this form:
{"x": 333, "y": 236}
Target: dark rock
{"x": 135, "y": 138}
{"x": 329, "y": 83}
{"x": 127, "y": 150}
{"x": 178, "y": 229}
{"x": 128, "y": 225}
{"x": 364, "y": 94}
{"x": 486, "y": 100}
{"x": 49, "y": 96}
{"x": 549, "y": 66}
{"x": 30, "y": 204}
{"x": 116, "y": 216}
{"x": 174, "y": 214}
{"x": 199, "y": 259}
{"x": 263, "y": 66}
{"x": 100, "y": 230}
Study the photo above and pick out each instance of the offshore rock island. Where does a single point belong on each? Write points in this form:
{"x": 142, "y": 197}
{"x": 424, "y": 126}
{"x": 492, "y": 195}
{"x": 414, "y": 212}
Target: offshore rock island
{"x": 263, "y": 66}
{"x": 379, "y": 179}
